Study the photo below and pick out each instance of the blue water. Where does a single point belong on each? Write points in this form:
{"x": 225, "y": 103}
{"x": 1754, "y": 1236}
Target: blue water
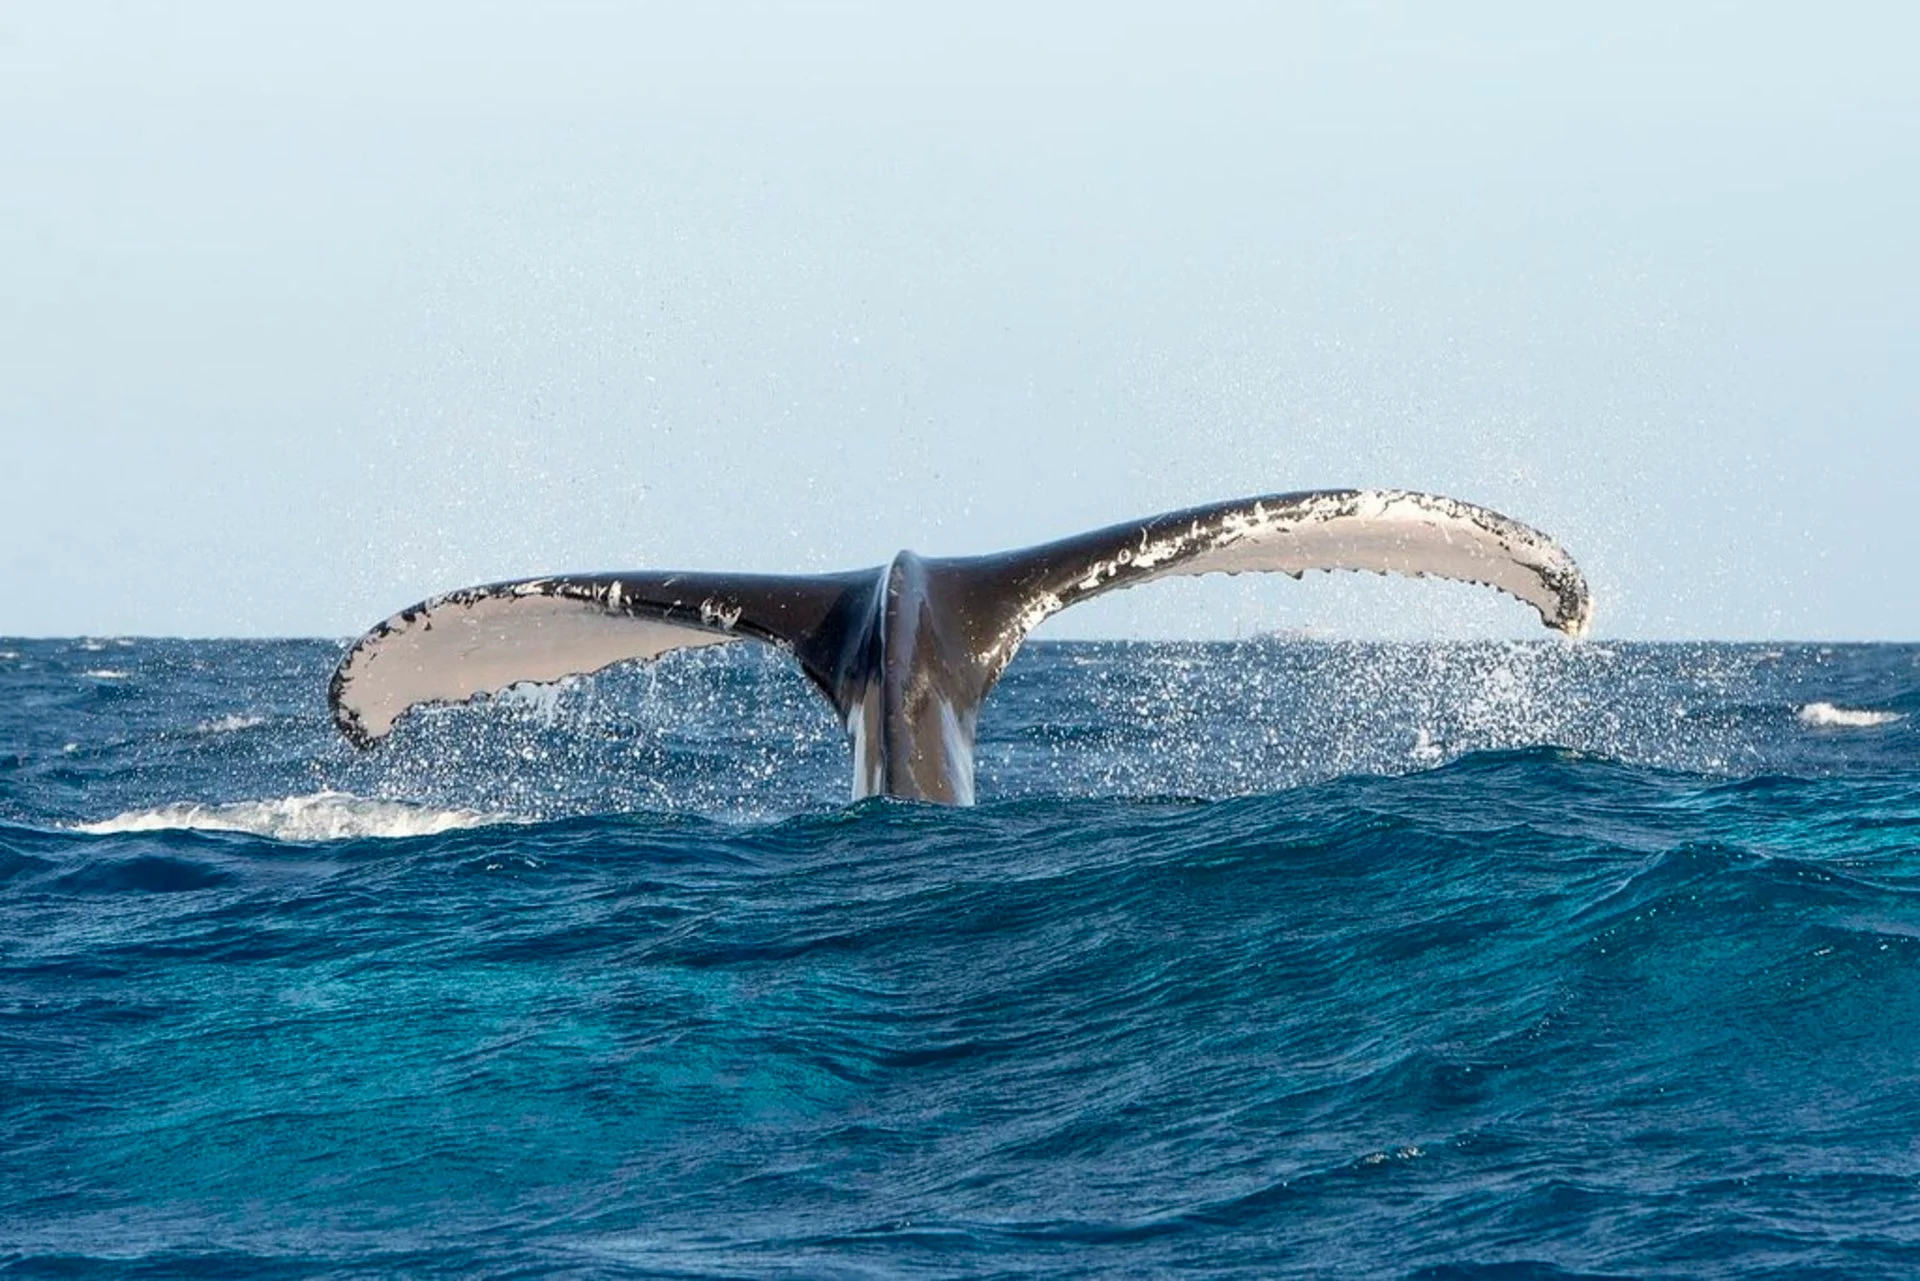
{"x": 1259, "y": 959}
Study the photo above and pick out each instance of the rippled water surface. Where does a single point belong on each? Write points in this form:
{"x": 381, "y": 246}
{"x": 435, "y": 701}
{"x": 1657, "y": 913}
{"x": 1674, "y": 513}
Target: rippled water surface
{"x": 1257, "y": 959}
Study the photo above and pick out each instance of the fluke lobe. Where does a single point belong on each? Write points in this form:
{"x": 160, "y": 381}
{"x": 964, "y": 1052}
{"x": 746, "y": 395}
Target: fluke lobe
{"x": 907, "y": 652}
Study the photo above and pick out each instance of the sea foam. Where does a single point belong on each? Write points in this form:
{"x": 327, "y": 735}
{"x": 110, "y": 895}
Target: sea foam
{"x": 1827, "y": 716}
{"x": 320, "y": 816}
{"x": 229, "y": 724}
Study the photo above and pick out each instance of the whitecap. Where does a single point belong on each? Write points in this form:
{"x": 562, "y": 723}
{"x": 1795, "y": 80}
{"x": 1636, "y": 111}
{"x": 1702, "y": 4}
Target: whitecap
{"x": 106, "y": 674}
{"x": 231, "y": 723}
{"x": 320, "y": 816}
{"x": 1827, "y": 716}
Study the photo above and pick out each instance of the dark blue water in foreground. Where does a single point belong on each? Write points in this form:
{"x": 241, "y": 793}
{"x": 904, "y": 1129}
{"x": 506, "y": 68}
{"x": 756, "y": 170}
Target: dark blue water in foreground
{"x": 1259, "y": 959}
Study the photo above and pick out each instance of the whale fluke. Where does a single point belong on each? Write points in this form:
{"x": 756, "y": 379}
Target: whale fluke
{"x": 907, "y": 652}
{"x": 480, "y": 640}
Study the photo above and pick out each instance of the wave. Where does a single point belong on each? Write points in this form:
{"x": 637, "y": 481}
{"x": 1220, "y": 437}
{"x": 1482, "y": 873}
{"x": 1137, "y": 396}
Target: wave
{"x": 229, "y": 724}
{"x": 106, "y": 673}
{"x": 319, "y": 816}
{"x": 1828, "y": 716}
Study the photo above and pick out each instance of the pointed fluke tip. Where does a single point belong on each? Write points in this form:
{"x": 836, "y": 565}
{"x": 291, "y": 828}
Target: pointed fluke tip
{"x": 1575, "y": 615}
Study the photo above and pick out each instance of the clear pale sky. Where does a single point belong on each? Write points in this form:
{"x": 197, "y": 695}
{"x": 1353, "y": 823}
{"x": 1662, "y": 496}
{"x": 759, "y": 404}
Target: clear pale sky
{"x": 307, "y": 312}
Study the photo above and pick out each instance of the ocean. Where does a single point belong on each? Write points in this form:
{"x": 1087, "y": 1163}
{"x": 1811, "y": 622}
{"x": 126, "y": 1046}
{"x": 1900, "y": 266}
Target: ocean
{"x": 1257, "y": 959}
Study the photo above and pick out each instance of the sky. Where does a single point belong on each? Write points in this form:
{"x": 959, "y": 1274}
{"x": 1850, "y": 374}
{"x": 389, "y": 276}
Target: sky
{"x": 308, "y": 312}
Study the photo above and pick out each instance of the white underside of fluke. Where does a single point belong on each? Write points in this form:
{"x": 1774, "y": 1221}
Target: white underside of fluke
{"x": 1372, "y": 531}
{"x": 456, "y": 648}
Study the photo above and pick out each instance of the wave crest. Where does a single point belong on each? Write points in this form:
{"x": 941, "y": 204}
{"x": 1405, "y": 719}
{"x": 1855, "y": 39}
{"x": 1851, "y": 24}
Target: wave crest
{"x": 1828, "y": 716}
{"x": 319, "y": 816}
{"x": 232, "y": 723}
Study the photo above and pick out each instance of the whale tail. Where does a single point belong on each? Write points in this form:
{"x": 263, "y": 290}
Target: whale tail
{"x": 884, "y": 644}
